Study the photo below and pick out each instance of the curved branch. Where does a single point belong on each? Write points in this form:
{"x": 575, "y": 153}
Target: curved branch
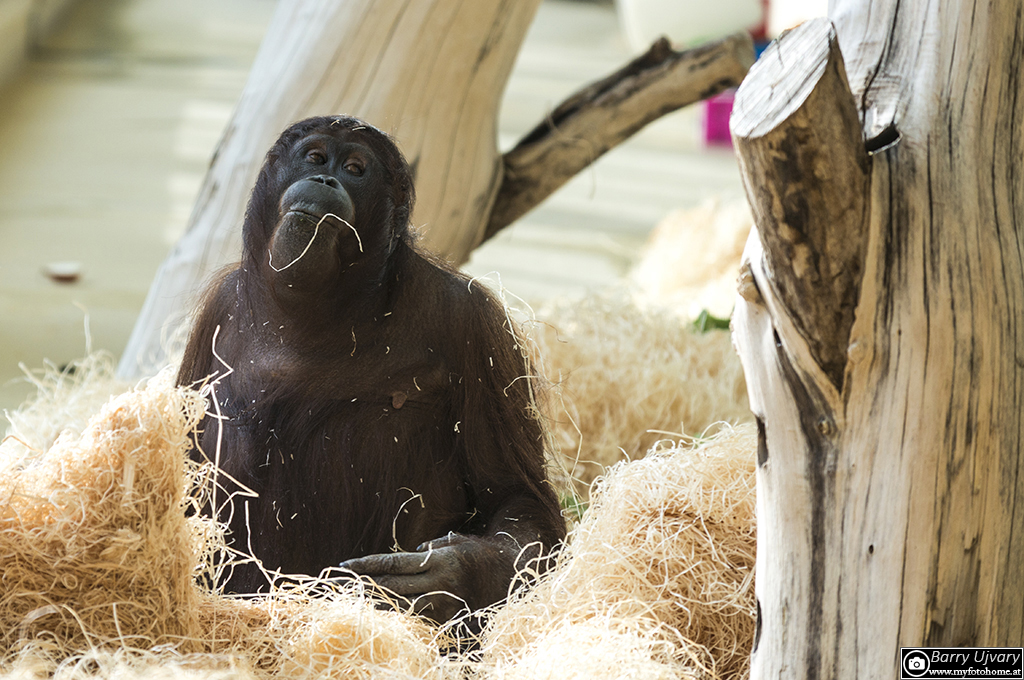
{"x": 607, "y": 112}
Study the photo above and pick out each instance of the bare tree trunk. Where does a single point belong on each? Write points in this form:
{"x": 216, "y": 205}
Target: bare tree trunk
{"x": 878, "y": 323}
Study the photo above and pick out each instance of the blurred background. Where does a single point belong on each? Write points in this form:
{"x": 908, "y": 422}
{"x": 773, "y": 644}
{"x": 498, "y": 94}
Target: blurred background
{"x": 110, "y": 111}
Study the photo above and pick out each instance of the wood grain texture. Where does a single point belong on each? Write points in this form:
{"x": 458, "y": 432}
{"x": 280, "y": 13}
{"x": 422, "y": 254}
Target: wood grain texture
{"x": 798, "y": 137}
{"x": 891, "y": 509}
{"x": 605, "y": 113}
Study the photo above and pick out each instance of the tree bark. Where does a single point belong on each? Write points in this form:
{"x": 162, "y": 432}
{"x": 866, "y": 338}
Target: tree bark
{"x": 799, "y": 140}
{"x": 890, "y": 475}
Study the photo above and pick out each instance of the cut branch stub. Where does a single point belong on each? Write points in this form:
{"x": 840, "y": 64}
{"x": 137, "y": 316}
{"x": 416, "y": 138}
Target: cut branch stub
{"x": 800, "y": 143}
{"x": 604, "y": 113}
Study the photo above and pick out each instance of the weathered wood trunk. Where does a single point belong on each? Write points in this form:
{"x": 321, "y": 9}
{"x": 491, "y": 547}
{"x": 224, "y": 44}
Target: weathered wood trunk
{"x": 881, "y": 326}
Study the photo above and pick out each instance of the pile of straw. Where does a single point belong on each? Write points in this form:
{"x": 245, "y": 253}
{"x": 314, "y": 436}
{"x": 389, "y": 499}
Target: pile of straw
{"x": 101, "y": 545}
{"x": 624, "y": 377}
{"x": 65, "y": 399}
{"x": 100, "y": 560}
{"x": 93, "y": 532}
{"x": 692, "y": 258}
{"x": 657, "y": 580}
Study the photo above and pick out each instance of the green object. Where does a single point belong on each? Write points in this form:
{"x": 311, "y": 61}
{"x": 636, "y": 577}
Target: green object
{"x": 706, "y": 321}
{"x": 574, "y": 506}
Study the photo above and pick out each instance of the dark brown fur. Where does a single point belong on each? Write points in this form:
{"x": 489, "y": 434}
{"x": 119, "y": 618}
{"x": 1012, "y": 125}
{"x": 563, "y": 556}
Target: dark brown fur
{"x": 373, "y": 408}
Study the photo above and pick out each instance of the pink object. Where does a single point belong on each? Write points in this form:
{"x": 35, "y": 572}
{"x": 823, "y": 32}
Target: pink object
{"x": 716, "y": 119}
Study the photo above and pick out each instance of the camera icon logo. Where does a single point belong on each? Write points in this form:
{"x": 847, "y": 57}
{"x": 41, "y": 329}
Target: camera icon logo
{"x": 915, "y": 663}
